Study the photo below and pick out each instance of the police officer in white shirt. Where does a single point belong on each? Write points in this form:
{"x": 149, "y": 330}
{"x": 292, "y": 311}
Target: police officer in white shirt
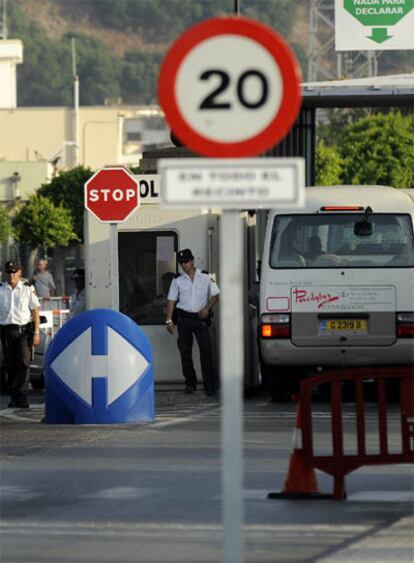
{"x": 19, "y": 328}
{"x": 193, "y": 295}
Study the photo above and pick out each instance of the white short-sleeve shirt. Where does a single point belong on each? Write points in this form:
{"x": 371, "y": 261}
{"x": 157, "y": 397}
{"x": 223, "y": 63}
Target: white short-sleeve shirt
{"x": 192, "y": 295}
{"x": 16, "y": 305}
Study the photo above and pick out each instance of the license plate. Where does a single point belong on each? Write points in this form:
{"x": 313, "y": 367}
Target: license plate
{"x": 356, "y": 326}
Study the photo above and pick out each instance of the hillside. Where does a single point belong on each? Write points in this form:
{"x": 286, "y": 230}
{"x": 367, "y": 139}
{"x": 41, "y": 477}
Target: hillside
{"x": 59, "y": 18}
{"x": 120, "y": 43}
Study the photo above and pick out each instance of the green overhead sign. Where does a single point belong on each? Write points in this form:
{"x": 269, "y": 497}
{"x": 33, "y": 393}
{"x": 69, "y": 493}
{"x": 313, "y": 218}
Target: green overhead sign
{"x": 379, "y": 14}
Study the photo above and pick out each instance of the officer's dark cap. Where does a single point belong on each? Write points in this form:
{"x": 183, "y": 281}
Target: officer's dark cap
{"x": 12, "y": 267}
{"x": 78, "y": 274}
{"x": 185, "y": 255}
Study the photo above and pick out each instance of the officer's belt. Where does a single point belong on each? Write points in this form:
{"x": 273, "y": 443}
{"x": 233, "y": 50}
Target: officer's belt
{"x": 186, "y": 314}
{"x": 19, "y": 328}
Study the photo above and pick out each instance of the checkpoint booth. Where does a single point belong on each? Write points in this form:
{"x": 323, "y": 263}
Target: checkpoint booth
{"x": 148, "y": 242}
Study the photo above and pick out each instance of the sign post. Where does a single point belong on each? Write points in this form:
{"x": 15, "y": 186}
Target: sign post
{"x": 231, "y": 372}
{"x": 111, "y": 195}
{"x": 230, "y": 88}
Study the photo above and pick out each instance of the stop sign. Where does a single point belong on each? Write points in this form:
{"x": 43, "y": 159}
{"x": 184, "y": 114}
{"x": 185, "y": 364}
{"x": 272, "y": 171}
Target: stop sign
{"x": 112, "y": 194}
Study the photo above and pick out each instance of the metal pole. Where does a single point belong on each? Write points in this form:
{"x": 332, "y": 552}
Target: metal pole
{"x": 339, "y": 65}
{"x": 114, "y": 275}
{"x": 75, "y": 105}
{"x": 237, "y": 7}
{"x": 231, "y": 372}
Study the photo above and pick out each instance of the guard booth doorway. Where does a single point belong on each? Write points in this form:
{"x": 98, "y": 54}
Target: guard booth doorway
{"x": 147, "y": 265}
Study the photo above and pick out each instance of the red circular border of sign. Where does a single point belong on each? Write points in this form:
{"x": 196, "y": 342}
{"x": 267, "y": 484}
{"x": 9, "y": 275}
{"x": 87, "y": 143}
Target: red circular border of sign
{"x": 280, "y": 52}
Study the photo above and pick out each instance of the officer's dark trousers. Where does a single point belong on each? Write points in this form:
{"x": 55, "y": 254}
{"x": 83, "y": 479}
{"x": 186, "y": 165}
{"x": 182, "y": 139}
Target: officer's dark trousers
{"x": 187, "y": 327}
{"x": 16, "y": 351}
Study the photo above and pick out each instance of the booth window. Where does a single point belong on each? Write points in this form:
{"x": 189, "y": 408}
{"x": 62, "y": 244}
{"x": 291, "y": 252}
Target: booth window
{"x": 147, "y": 265}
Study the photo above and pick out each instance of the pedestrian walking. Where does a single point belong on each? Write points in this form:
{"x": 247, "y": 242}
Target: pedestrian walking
{"x": 19, "y": 330}
{"x": 78, "y": 298}
{"x": 43, "y": 280}
{"x": 191, "y": 299}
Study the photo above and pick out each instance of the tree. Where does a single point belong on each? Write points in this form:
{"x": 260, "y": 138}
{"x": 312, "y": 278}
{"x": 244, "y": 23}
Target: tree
{"x": 378, "y": 149}
{"x": 4, "y": 225}
{"x": 139, "y": 77}
{"x": 45, "y": 78}
{"x": 39, "y": 222}
{"x": 67, "y": 190}
{"x": 329, "y": 165}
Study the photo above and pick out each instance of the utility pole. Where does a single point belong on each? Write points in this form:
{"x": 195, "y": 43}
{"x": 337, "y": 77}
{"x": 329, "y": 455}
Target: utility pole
{"x": 75, "y": 105}
{"x": 3, "y": 19}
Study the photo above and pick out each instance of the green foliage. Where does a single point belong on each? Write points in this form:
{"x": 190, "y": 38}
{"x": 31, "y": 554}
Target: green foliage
{"x": 336, "y": 121}
{"x": 378, "y": 149}
{"x": 45, "y": 78}
{"x": 67, "y": 189}
{"x": 138, "y": 77}
{"x": 98, "y": 70}
{"x": 329, "y": 165}
{"x": 163, "y": 20}
{"x": 4, "y": 224}
{"x": 136, "y": 170}
{"x": 40, "y": 223}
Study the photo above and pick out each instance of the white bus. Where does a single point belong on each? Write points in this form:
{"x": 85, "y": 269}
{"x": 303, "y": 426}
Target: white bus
{"x": 337, "y": 285}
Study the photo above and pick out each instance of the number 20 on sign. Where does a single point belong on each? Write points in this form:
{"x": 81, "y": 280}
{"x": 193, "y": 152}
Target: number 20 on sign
{"x": 230, "y": 87}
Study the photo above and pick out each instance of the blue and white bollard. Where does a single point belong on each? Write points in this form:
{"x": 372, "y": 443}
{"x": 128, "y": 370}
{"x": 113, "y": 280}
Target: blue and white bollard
{"x": 99, "y": 370}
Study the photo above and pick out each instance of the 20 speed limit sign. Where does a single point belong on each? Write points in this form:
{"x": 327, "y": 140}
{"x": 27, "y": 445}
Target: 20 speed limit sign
{"x": 230, "y": 87}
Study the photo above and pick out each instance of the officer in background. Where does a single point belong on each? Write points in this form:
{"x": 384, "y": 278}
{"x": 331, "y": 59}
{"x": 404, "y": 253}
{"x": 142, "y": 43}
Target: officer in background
{"x": 78, "y": 298}
{"x": 193, "y": 295}
{"x": 19, "y": 328}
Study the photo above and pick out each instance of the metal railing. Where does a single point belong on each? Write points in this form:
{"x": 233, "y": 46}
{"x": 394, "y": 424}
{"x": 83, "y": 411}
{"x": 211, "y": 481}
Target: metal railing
{"x": 55, "y": 319}
{"x": 54, "y": 303}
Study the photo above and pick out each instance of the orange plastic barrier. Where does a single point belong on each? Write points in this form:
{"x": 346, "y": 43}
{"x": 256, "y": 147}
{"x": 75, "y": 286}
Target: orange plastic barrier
{"x": 339, "y": 464}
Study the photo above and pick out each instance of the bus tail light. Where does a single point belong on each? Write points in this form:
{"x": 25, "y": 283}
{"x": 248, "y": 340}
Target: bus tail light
{"x": 342, "y": 208}
{"x": 275, "y": 326}
{"x": 405, "y": 325}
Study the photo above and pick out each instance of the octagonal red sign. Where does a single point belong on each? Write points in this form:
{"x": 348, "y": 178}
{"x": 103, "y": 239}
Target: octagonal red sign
{"x": 112, "y": 194}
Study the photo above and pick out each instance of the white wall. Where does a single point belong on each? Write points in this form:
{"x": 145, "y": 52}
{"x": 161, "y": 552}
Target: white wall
{"x": 11, "y": 54}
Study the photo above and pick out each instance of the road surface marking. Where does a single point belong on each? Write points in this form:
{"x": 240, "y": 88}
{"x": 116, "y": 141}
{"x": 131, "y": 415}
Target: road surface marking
{"x": 382, "y": 496}
{"x": 120, "y": 493}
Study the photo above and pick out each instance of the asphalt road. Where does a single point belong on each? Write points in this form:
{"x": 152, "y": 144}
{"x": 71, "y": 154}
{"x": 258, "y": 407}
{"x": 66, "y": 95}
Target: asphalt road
{"x": 133, "y": 493}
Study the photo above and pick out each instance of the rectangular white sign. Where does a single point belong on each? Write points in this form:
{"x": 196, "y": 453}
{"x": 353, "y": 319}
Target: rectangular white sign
{"x": 149, "y": 187}
{"x": 231, "y": 183}
{"x": 343, "y": 298}
{"x": 374, "y": 25}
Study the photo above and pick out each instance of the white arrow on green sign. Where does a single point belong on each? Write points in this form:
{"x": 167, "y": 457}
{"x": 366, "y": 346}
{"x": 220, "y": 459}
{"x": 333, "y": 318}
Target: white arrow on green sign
{"x": 379, "y": 14}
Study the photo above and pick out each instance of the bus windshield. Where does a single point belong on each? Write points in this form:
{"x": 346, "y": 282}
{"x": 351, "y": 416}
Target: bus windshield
{"x": 331, "y": 241}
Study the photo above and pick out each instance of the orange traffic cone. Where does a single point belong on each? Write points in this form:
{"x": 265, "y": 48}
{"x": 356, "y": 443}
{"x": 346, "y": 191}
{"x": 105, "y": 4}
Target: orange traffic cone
{"x": 301, "y": 482}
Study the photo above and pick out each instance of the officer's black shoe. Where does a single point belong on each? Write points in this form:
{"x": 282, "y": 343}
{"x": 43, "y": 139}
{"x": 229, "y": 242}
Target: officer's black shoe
{"x": 189, "y": 389}
{"x": 22, "y": 405}
{"x": 210, "y": 392}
